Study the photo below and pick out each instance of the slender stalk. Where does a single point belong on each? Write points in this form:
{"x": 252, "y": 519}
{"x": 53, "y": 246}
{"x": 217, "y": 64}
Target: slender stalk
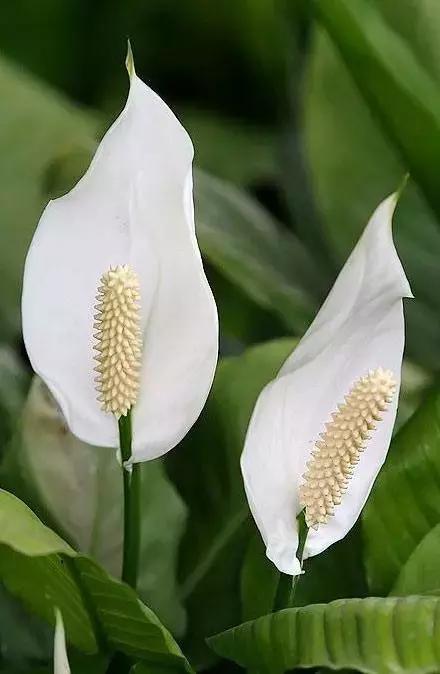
{"x": 132, "y": 487}
{"x": 285, "y": 595}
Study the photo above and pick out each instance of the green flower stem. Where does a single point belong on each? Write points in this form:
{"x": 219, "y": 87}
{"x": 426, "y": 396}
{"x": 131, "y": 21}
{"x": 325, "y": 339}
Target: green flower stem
{"x": 132, "y": 515}
{"x": 285, "y": 595}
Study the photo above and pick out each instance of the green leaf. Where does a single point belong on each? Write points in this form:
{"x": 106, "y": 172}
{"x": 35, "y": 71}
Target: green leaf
{"x": 207, "y": 474}
{"x": 77, "y": 489}
{"x": 369, "y": 635}
{"x": 354, "y": 166}
{"x": 94, "y": 605}
{"x": 14, "y": 381}
{"x": 25, "y": 640}
{"x": 393, "y": 82}
{"x": 421, "y": 573}
{"x": 259, "y": 581}
{"x": 405, "y": 502}
{"x": 22, "y": 531}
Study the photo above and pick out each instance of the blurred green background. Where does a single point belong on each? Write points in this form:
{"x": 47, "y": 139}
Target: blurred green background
{"x": 304, "y": 116}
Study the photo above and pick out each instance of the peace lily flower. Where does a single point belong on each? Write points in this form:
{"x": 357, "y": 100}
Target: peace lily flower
{"x": 320, "y": 430}
{"x": 60, "y": 661}
{"x": 144, "y": 336}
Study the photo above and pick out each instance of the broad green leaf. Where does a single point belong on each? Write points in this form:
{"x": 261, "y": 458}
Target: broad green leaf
{"x": 21, "y": 530}
{"x": 405, "y": 502}
{"x": 95, "y": 606}
{"x": 353, "y": 166}
{"x": 399, "y": 90}
{"x": 207, "y": 474}
{"x": 370, "y": 635}
{"x": 78, "y": 490}
{"x": 421, "y": 573}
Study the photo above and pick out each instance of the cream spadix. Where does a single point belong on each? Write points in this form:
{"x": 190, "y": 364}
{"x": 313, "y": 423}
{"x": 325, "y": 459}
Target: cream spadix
{"x": 301, "y": 449}
{"x": 130, "y": 217}
{"x": 118, "y": 340}
{"x": 338, "y": 451}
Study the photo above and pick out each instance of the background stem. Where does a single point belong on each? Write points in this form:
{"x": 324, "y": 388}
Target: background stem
{"x": 132, "y": 485}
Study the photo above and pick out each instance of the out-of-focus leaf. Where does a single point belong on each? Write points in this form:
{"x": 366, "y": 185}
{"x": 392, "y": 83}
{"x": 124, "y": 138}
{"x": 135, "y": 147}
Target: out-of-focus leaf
{"x": 25, "y": 640}
{"x": 245, "y": 243}
{"x": 78, "y": 490}
{"x": 421, "y": 573}
{"x": 14, "y": 381}
{"x": 87, "y": 664}
{"x": 259, "y": 581}
{"x": 405, "y": 502}
{"x": 231, "y": 150}
{"x": 206, "y": 471}
{"x": 416, "y": 382}
{"x": 41, "y": 569}
{"x": 36, "y": 124}
{"x": 391, "y": 636}
{"x": 353, "y": 166}
{"x": 141, "y": 668}
{"x": 399, "y": 90}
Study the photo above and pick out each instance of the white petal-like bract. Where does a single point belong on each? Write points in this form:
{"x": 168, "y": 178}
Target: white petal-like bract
{"x": 60, "y": 661}
{"x": 359, "y": 328}
{"x": 134, "y": 206}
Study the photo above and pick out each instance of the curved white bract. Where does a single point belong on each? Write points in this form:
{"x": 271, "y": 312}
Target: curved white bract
{"x": 359, "y": 329}
{"x": 134, "y": 206}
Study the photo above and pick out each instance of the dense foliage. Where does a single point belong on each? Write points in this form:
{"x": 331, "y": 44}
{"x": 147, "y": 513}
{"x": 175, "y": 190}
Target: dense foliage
{"x": 303, "y": 116}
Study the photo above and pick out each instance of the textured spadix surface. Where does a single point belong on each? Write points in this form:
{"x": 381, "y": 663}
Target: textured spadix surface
{"x": 118, "y": 340}
{"x": 338, "y": 450}
{"x": 133, "y": 206}
{"x": 359, "y": 328}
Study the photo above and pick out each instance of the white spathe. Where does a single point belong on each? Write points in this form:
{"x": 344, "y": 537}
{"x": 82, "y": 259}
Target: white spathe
{"x": 133, "y": 206}
{"x": 360, "y": 327}
{"x": 60, "y": 661}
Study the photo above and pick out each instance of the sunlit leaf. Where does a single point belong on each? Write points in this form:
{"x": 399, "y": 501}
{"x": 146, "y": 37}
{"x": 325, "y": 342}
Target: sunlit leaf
{"x": 368, "y": 635}
{"x": 41, "y": 569}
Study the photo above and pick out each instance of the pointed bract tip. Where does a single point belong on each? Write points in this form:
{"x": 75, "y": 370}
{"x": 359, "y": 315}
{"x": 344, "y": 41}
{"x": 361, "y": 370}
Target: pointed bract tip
{"x": 129, "y": 60}
{"x": 403, "y": 183}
